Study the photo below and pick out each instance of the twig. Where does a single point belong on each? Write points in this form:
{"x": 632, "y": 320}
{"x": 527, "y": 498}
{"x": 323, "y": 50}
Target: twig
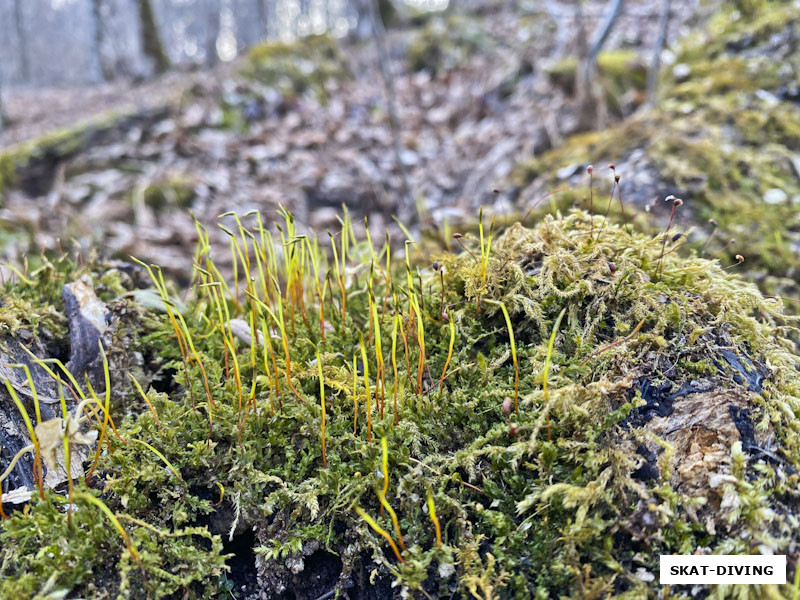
{"x": 614, "y": 344}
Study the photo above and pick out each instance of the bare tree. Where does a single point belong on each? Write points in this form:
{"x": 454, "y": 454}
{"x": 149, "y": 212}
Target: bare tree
{"x": 98, "y": 41}
{"x": 2, "y": 107}
{"x": 152, "y": 45}
{"x": 212, "y": 32}
{"x": 19, "y": 27}
{"x": 363, "y": 12}
{"x": 262, "y": 18}
{"x": 379, "y": 35}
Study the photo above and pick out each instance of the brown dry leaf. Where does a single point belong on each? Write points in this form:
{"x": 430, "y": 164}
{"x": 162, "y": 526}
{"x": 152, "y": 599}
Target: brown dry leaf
{"x": 51, "y": 441}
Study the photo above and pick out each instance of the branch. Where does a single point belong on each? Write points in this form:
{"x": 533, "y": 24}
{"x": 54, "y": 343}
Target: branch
{"x": 655, "y": 65}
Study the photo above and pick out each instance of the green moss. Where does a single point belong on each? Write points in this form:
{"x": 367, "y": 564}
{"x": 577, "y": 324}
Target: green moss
{"x": 547, "y": 506}
{"x": 619, "y": 70}
{"x": 8, "y": 172}
{"x": 721, "y": 137}
{"x": 296, "y": 67}
{"x": 173, "y": 191}
{"x": 53, "y": 146}
{"x": 444, "y": 44}
{"x": 45, "y": 554}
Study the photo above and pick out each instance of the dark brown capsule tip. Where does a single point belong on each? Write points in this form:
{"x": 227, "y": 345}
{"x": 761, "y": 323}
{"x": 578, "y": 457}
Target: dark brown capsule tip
{"x": 512, "y": 429}
{"x": 616, "y": 177}
{"x": 676, "y": 237}
{"x": 612, "y": 267}
{"x": 457, "y": 236}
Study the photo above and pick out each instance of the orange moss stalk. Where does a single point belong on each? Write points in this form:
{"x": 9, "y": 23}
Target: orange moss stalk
{"x": 111, "y": 517}
{"x": 378, "y": 529}
{"x": 145, "y": 398}
{"x": 340, "y": 275}
{"x": 313, "y": 252}
{"x": 513, "y": 351}
{"x": 322, "y": 404}
{"x": 38, "y": 469}
{"x": 450, "y": 353}
{"x": 434, "y": 519}
{"x": 106, "y": 410}
{"x": 547, "y": 365}
{"x": 278, "y": 320}
{"x": 397, "y": 318}
{"x": 421, "y": 341}
{"x": 381, "y": 375}
{"x": 355, "y": 395}
{"x": 382, "y": 494}
{"x": 366, "y": 386}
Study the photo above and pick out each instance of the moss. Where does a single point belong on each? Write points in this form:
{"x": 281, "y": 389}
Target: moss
{"x": 620, "y": 71}
{"x": 45, "y": 553}
{"x": 721, "y": 136}
{"x": 52, "y": 147}
{"x": 549, "y": 500}
{"x": 297, "y": 67}
{"x": 173, "y": 191}
{"x": 8, "y": 172}
{"x": 444, "y": 44}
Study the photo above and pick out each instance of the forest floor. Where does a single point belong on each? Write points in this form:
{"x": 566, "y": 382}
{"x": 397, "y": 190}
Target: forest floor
{"x": 476, "y": 98}
{"x": 34, "y": 112}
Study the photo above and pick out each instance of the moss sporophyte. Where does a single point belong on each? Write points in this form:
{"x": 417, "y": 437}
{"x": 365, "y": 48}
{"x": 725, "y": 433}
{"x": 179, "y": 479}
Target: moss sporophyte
{"x": 261, "y": 418}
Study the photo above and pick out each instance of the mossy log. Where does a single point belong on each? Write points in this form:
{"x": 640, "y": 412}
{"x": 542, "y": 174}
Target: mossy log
{"x": 32, "y": 165}
{"x": 540, "y": 415}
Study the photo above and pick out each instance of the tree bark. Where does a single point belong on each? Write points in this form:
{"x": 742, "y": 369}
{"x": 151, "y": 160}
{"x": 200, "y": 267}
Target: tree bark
{"x": 406, "y": 206}
{"x": 98, "y": 36}
{"x": 22, "y": 40}
{"x": 262, "y": 19}
{"x": 152, "y": 45}
{"x": 212, "y": 33}
{"x": 2, "y": 107}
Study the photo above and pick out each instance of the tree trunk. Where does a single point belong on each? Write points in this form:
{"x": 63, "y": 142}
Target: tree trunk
{"x": 98, "y": 36}
{"x": 152, "y": 46}
{"x": 2, "y": 108}
{"x": 22, "y": 40}
{"x": 406, "y": 206}
{"x": 262, "y": 19}
{"x": 363, "y": 28}
{"x": 212, "y": 32}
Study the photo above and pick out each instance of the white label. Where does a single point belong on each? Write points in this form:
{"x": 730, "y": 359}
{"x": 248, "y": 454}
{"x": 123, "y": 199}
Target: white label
{"x": 721, "y": 568}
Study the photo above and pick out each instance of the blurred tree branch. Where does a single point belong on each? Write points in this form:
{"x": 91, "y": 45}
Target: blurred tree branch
{"x": 655, "y": 65}
{"x": 591, "y": 111}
